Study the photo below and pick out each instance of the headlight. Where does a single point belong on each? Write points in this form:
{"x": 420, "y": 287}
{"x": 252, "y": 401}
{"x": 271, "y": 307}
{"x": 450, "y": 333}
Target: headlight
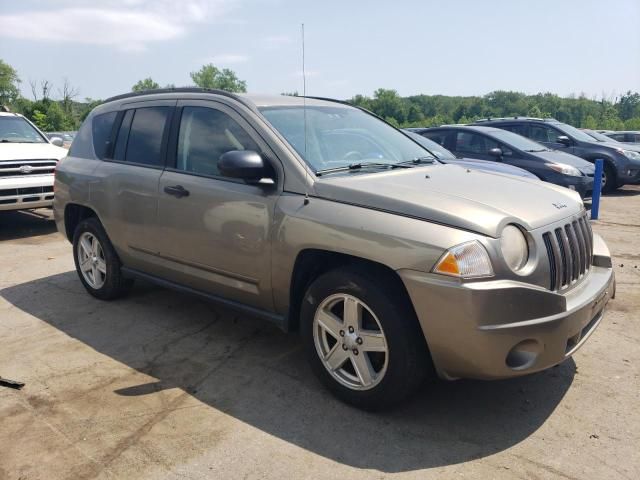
{"x": 630, "y": 154}
{"x": 515, "y": 249}
{"x": 565, "y": 169}
{"x": 467, "y": 260}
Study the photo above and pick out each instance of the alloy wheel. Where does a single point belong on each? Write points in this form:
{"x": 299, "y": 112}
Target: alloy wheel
{"x": 91, "y": 261}
{"x": 350, "y": 341}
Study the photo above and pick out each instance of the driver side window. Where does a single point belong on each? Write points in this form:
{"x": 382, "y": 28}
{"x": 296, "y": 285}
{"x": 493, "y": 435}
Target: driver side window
{"x": 542, "y": 133}
{"x": 472, "y": 143}
{"x": 205, "y": 135}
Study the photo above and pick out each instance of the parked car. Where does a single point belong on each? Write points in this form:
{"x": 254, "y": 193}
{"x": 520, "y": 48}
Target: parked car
{"x": 621, "y": 163}
{"x": 322, "y": 218}
{"x": 27, "y": 162}
{"x": 445, "y": 156}
{"x": 486, "y": 143}
{"x": 598, "y": 137}
{"x": 630, "y": 136}
{"x": 67, "y": 137}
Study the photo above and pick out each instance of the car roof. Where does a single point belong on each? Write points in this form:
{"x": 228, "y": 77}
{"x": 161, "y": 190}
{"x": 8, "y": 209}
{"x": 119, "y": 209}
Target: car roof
{"x": 10, "y": 114}
{"x": 516, "y": 119}
{"x": 473, "y": 128}
{"x": 251, "y": 100}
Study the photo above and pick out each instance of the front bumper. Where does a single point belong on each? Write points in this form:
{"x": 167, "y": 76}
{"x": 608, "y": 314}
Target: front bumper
{"x": 503, "y": 328}
{"x": 582, "y": 185}
{"x": 22, "y": 193}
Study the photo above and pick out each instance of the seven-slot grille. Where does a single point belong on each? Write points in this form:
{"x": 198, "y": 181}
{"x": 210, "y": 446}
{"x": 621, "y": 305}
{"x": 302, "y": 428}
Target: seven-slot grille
{"x": 570, "y": 252}
{"x": 20, "y": 168}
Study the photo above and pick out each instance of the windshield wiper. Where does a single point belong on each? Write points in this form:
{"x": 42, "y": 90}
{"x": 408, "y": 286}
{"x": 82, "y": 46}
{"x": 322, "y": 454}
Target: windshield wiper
{"x": 540, "y": 150}
{"x": 360, "y": 165}
{"x": 417, "y": 161}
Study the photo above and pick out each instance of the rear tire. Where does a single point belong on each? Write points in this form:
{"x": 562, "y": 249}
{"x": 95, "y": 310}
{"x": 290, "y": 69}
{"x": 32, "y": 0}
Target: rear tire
{"x": 375, "y": 361}
{"x": 97, "y": 263}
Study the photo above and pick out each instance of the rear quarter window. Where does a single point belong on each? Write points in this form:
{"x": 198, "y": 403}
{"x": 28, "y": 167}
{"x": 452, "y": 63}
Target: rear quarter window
{"x": 102, "y": 126}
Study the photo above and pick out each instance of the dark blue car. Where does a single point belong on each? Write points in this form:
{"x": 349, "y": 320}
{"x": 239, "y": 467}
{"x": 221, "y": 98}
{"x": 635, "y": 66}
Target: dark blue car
{"x": 445, "y": 156}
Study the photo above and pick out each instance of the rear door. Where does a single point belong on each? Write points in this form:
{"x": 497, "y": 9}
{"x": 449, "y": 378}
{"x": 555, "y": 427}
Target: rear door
{"x": 215, "y": 235}
{"x": 128, "y": 190}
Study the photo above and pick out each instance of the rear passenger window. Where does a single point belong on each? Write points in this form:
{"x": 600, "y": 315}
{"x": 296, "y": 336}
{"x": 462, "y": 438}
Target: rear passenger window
{"x": 123, "y": 135}
{"x": 101, "y": 132}
{"x": 205, "y": 135}
{"x": 144, "y": 144}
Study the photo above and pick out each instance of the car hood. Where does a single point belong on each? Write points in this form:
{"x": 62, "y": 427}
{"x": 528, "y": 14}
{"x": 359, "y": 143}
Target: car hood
{"x": 490, "y": 167}
{"x": 30, "y": 151}
{"x": 634, "y": 147}
{"x": 556, "y": 156}
{"x": 473, "y": 200}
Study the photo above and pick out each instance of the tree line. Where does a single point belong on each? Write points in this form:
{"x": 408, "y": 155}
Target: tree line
{"x": 56, "y": 109}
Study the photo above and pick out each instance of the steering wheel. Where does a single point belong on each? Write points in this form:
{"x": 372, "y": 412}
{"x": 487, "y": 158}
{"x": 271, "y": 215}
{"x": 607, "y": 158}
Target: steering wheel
{"x": 352, "y": 155}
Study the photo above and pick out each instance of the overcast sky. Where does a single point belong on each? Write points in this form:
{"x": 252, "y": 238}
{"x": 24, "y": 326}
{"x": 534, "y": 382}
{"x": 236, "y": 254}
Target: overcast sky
{"x": 450, "y": 47}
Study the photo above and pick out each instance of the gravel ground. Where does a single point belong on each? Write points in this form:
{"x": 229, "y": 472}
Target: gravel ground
{"x": 161, "y": 385}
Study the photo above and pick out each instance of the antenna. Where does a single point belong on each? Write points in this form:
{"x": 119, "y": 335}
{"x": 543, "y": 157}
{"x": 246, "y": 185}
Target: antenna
{"x": 304, "y": 110}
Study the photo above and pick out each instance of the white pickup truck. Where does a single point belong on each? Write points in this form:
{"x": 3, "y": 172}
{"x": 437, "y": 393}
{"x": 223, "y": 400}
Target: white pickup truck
{"x": 27, "y": 163}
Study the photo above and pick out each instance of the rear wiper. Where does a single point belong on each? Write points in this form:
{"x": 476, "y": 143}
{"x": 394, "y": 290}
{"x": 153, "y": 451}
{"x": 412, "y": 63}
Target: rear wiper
{"x": 358, "y": 166}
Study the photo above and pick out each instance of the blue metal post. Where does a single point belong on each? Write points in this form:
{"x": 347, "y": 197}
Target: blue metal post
{"x": 597, "y": 186}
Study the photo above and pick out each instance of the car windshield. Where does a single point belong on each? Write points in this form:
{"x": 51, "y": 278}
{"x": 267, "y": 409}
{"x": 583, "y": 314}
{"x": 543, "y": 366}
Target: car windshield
{"x": 438, "y": 150}
{"x": 338, "y": 137}
{"x": 600, "y": 137}
{"x": 573, "y": 132}
{"x": 18, "y": 130}
{"x": 518, "y": 141}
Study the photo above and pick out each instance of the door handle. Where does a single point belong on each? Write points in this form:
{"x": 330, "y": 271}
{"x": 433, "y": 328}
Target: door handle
{"x": 177, "y": 191}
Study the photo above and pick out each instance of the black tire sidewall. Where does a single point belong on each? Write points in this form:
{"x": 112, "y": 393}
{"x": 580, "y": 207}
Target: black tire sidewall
{"x": 610, "y": 179}
{"x": 408, "y": 357}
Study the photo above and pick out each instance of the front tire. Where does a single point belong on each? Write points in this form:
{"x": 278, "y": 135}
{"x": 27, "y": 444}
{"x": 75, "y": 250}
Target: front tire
{"x": 97, "y": 263}
{"x": 609, "y": 180}
{"x": 362, "y": 338}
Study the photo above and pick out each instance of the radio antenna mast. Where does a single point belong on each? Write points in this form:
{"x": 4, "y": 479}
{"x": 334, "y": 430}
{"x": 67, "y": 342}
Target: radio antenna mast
{"x": 304, "y": 110}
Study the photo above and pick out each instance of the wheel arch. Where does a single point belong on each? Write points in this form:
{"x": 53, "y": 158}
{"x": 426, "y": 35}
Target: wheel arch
{"x": 74, "y": 213}
{"x": 310, "y": 263}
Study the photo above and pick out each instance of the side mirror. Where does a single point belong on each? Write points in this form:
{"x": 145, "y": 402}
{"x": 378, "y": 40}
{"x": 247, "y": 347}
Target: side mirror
{"x": 495, "y": 152}
{"x": 57, "y": 141}
{"x": 246, "y": 165}
{"x": 564, "y": 140}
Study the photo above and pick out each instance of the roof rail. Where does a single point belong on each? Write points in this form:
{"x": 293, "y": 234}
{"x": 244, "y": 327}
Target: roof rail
{"x": 490, "y": 119}
{"x": 174, "y": 90}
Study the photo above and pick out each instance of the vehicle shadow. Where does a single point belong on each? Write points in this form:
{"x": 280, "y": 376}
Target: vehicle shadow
{"x": 250, "y": 370}
{"x": 626, "y": 191}
{"x": 19, "y": 224}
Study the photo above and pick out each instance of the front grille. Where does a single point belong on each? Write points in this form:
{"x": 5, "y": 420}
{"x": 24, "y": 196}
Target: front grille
{"x": 21, "y": 168}
{"x": 9, "y": 192}
{"x": 570, "y": 251}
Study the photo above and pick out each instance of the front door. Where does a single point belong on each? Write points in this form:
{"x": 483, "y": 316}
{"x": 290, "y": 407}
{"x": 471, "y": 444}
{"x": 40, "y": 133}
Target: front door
{"x": 215, "y": 231}
{"x": 548, "y": 136}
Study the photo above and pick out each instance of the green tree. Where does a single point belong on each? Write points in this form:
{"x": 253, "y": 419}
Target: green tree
{"x": 40, "y": 119}
{"x": 9, "y": 81}
{"x": 210, "y": 76}
{"x": 145, "y": 84}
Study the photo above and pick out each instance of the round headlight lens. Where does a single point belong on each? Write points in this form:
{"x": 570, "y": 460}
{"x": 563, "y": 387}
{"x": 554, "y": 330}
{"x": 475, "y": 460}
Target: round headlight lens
{"x": 514, "y": 247}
